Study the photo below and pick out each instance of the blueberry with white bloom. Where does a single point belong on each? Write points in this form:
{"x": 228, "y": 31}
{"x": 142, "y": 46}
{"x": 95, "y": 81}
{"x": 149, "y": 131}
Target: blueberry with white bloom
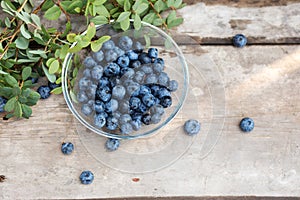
{"x": 112, "y": 144}
{"x": 98, "y": 56}
{"x": 111, "y": 106}
{"x": 239, "y": 40}
{"x": 163, "y": 79}
{"x": 86, "y": 177}
{"x": 100, "y": 119}
{"x": 123, "y": 61}
{"x": 111, "y": 55}
{"x": 111, "y": 69}
{"x": 118, "y": 92}
{"x": 99, "y": 106}
{"x": 135, "y": 64}
{"x": 147, "y": 69}
{"x": 125, "y": 118}
{"x": 132, "y": 55}
{"x": 153, "y": 52}
{"x": 89, "y": 62}
{"x": 125, "y": 43}
{"x": 84, "y": 83}
{"x": 247, "y": 124}
{"x": 155, "y": 118}
{"x": 148, "y": 100}
{"x": 157, "y": 109}
{"x": 97, "y": 72}
{"x": 108, "y": 45}
{"x": 82, "y": 97}
{"x": 151, "y": 78}
{"x": 103, "y": 93}
{"x": 111, "y": 123}
{"x": 126, "y": 128}
{"x": 173, "y": 85}
{"x": 67, "y": 148}
{"x": 138, "y": 47}
{"x": 139, "y": 76}
{"x": 158, "y": 67}
{"x": 192, "y": 127}
{"x": 86, "y": 109}
{"x": 44, "y": 91}
{"x": 136, "y": 124}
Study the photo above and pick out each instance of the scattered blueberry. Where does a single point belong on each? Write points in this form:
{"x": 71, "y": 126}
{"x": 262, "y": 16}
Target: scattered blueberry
{"x": 67, "y": 148}
{"x": 153, "y": 52}
{"x": 191, "y": 127}
{"x": 86, "y": 177}
{"x": 247, "y": 124}
{"x": 112, "y": 144}
{"x": 44, "y": 91}
{"x": 2, "y": 103}
{"x": 239, "y": 40}
{"x": 125, "y": 43}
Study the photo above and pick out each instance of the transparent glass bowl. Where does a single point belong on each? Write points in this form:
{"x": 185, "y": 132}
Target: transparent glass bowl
{"x": 149, "y": 36}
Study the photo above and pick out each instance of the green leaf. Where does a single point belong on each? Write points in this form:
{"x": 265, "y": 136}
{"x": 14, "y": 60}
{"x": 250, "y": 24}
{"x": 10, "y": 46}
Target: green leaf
{"x": 25, "y": 32}
{"x": 91, "y": 31}
{"x": 54, "y": 66}
{"x": 71, "y": 37}
{"x": 67, "y": 29}
{"x": 175, "y": 22}
{"x": 6, "y": 92}
{"x": 18, "y": 110}
{"x": 2, "y": 72}
{"x": 7, "y": 22}
{"x": 125, "y": 24}
{"x": 149, "y": 17}
{"x": 137, "y": 22}
{"x": 22, "y": 43}
{"x": 16, "y": 91}
{"x": 96, "y": 45}
{"x": 123, "y": 16}
{"x": 141, "y": 8}
{"x": 49, "y": 61}
{"x": 73, "y": 96}
{"x": 27, "y": 111}
{"x": 147, "y": 40}
{"x": 63, "y": 51}
{"x": 57, "y": 90}
{"x": 84, "y": 41}
{"x": 160, "y": 5}
{"x": 10, "y": 104}
{"x": 39, "y": 52}
{"x": 127, "y": 5}
{"x": 36, "y": 20}
{"x": 48, "y": 4}
{"x": 26, "y": 92}
{"x": 26, "y": 72}
{"x": 158, "y": 22}
{"x": 99, "y": 20}
{"x": 177, "y": 3}
{"x": 53, "y": 13}
{"x": 171, "y": 16}
{"x": 99, "y": 2}
{"x": 10, "y": 80}
{"x": 102, "y": 11}
{"x": 75, "y": 48}
{"x": 51, "y": 77}
{"x": 121, "y": 2}
{"x": 58, "y": 81}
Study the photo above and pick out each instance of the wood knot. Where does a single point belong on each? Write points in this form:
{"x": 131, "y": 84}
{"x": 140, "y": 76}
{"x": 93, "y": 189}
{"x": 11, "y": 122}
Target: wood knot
{"x": 2, "y": 178}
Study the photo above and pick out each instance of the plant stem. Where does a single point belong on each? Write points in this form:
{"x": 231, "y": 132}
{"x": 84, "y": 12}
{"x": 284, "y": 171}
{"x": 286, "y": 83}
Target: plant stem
{"x": 157, "y": 13}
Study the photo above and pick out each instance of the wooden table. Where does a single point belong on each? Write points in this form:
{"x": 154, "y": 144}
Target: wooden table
{"x": 260, "y": 81}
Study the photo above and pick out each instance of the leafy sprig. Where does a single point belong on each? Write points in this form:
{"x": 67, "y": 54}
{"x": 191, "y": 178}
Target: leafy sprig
{"x": 29, "y": 50}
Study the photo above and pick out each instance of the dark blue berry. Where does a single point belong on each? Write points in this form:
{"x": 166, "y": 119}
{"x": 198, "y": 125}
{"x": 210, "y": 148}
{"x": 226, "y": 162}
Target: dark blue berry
{"x": 134, "y": 103}
{"x": 44, "y": 91}
{"x": 103, "y": 93}
{"x": 132, "y": 55}
{"x": 166, "y": 101}
{"x": 148, "y": 100}
{"x": 142, "y": 109}
{"x": 100, "y": 119}
{"x": 104, "y": 81}
{"x": 153, "y": 52}
{"x": 144, "y": 58}
{"x": 239, "y": 40}
{"x": 111, "y": 123}
{"x": 86, "y": 177}
{"x": 162, "y": 92}
{"x": 192, "y": 127}
{"x": 144, "y": 90}
{"x": 99, "y": 106}
{"x": 136, "y": 116}
{"x": 33, "y": 79}
{"x": 135, "y": 64}
{"x": 146, "y": 119}
{"x": 112, "y": 144}
{"x": 123, "y": 61}
{"x": 247, "y": 124}
{"x": 67, "y": 148}
{"x": 125, "y": 43}
{"x": 111, "y": 69}
{"x": 2, "y": 103}
{"x": 154, "y": 89}
{"x": 160, "y": 61}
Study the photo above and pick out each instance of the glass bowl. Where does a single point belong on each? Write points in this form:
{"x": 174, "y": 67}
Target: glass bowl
{"x": 75, "y": 70}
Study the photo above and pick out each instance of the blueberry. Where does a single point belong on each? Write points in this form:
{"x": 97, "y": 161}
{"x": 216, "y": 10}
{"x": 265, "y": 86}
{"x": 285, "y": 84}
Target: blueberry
{"x": 158, "y": 67}
{"x": 134, "y": 103}
{"x": 103, "y": 93}
{"x": 125, "y": 118}
{"x": 104, "y": 81}
{"x": 111, "y": 55}
{"x": 136, "y": 116}
{"x": 86, "y": 177}
{"x": 67, "y": 148}
{"x": 142, "y": 109}
{"x": 162, "y": 92}
{"x": 153, "y": 52}
{"x": 239, "y": 40}
{"x": 124, "y": 107}
{"x": 154, "y": 89}
{"x": 53, "y": 85}
{"x": 33, "y": 79}
{"x": 108, "y": 45}
{"x": 163, "y": 79}
{"x": 91, "y": 91}
{"x": 84, "y": 83}
{"x": 111, "y": 69}
{"x": 116, "y": 115}
{"x": 146, "y": 119}
{"x": 247, "y": 124}
{"x": 173, "y": 85}
{"x": 144, "y": 58}
{"x": 144, "y": 90}
{"x": 44, "y": 91}
{"x": 97, "y": 72}
{"x": 147, "y": 69}
{"x": 148, "y": 100}
{"x": 91, "y": 103}
{"x": 132, "y": 55}
{"x": 138, "y": 47}
{"x": 160, "y": 61}
{"x": 111, "y": 123}
{"x": 139, "y": 76}
{"x": 113, "y": 81}
{"x": 2, "y": 103}
{"x": 191, "y": 127}
{"x": 166, "y": 101}
{"x": 100, "y": 119}
{"x": 155, "y": 118}
{"x": 118, "y": 92}
{"x": 89, "y": 62}
{"x": 151, "y": 78}
{"x": 86, "y": 109}
{"x": 119, "y": 51}
{"x": 127, "y": 73}
{"x": 126, "y": 128}
{"x": 111, "y": 106}
{"x": 132, "y": 87}
{"x": 123, "y": 61}
{"x": 135, "y": 64}
{"x": 125, "y": 43}
{"x": 112, "y": 144}
{"x": 82, "y": 97}
{"x": 136, "y": 124}
{"x": 157, "y": 109}
{"x": 98, "y": 56}
{"x": 87, "y": 73}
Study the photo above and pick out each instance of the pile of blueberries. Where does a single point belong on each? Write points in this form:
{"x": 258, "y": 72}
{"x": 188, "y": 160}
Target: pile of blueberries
{"x": 124, "y": 87}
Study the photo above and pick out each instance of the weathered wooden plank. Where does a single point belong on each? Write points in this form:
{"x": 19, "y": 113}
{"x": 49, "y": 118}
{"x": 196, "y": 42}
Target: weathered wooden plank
{"x": 218, "y": 23}
{"x": 244, "y": 3}
{"x": 259, "y": 82}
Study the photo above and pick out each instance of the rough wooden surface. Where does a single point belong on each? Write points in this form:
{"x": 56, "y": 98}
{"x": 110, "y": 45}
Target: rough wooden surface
{"x": 261, "y": 82}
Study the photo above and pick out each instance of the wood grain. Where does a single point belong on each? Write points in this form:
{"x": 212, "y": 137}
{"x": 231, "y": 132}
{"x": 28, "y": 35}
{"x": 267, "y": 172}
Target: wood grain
{"x": 244, "y": 3}
{"x": 260, "y": 82}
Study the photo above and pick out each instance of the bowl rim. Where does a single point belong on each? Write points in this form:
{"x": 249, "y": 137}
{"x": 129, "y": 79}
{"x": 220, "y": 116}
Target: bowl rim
{"x": 155, "y": 129}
